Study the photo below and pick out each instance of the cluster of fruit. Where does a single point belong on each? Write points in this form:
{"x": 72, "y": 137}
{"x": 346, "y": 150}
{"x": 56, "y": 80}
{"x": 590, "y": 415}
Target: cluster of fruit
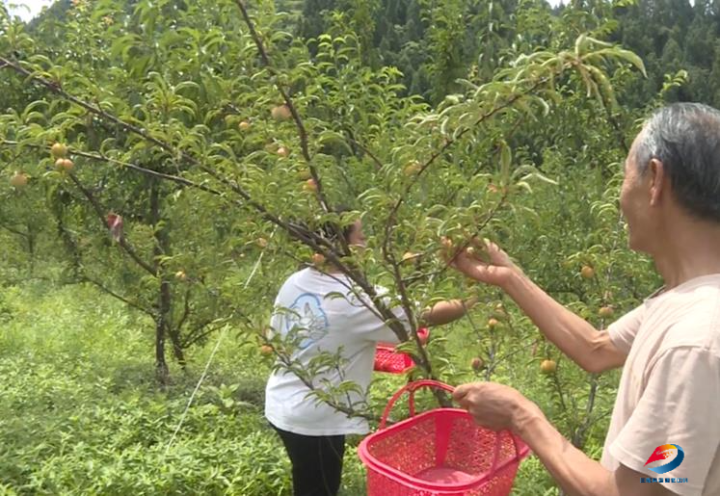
{"x": 62, "y": 163}
{"x": 59, "y": 152}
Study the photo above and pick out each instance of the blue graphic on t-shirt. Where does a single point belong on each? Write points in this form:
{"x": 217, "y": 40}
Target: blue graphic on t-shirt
{"x": 308, "y": 318}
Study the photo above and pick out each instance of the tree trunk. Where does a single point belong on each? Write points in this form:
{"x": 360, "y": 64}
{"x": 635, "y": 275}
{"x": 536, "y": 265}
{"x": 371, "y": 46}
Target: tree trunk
{"x": 177, "y": 347}
{"x": 164, "y": 305}
{"x": 31, "y": 249}
{"x": 162, "y": 372}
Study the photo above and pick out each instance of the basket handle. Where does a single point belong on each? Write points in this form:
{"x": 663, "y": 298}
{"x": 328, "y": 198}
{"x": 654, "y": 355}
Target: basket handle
{"x": 410, "y": 388}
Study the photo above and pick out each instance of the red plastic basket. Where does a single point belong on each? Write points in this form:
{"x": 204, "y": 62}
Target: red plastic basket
{"x": 393, "y": 362}
{"x": 441, "y": 452}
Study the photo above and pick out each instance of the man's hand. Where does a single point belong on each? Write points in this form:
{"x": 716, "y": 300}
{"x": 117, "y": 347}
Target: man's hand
{"x": 484, "y": 261}
{"x": 492, "y": 405}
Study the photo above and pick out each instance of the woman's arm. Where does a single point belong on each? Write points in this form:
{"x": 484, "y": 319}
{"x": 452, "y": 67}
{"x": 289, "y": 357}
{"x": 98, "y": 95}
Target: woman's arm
{"x": 447, "y": 311}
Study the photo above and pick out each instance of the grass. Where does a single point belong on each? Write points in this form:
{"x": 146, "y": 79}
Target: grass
{"x": 81, "y": 412}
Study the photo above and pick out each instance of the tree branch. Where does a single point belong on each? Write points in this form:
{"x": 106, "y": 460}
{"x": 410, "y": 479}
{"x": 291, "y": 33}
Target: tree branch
{"x": 392, "y": 217}
{"x": 115, "y": 295}
{"x": 14, "y": 231}
{"x": 186, "y": 310}
{"x": 302, "y": 131}
{"x": 100, "y": 212}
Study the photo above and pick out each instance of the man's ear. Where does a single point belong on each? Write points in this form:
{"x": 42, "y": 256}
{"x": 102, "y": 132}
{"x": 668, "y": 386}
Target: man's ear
{"x": 657, "y": 176}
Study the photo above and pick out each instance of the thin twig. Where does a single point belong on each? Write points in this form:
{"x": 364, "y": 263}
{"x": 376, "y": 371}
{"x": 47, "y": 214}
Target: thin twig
{"x": 117, "y": 296}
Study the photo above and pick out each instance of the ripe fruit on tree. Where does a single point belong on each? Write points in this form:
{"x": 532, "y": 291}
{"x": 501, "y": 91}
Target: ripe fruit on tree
{"x": 281, "y": 113}
{"x": 64, "y": 164}
{"x": 446, "y": 246}
{"x": 493, "y": 323}
{"x": 318, "y": 259}
{"x": 412, "y": 168}
{"x": 548, "y": 366}
{"x": 18, "y": 180}
{"x": 58, "y": 150}
{"x": 606, "y": 311}
{"x": 408, "y": 255}
{"x": 477, "y": 364}
{"x": 587, "y": 272}
{"x": 310, "y": 185}
{"x": 283, "y": 151}
{"x": 181, "y": 275}
{"x": 500, "y": 313}
{"x": 244, "y": 126}
{"x": 266, "y": 350}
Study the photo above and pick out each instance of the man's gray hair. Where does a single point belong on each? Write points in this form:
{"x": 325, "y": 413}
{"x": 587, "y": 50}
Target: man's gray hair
{"x": 685, "y": 137}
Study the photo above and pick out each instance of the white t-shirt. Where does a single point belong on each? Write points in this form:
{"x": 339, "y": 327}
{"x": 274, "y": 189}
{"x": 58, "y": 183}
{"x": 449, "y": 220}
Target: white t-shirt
{"x": 670, "y": 387}
{"x": 327, "y": 323}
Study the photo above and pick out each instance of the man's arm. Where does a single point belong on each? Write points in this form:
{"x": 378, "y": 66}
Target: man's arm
{"x": 592, "y": 350}
{"x": 571, "y": 468}
{"x": 589, "y": 348}
{"x": 499, "y": 407}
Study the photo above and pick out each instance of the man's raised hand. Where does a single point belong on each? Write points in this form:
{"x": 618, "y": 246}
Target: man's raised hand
{"x": 483, "y": 261}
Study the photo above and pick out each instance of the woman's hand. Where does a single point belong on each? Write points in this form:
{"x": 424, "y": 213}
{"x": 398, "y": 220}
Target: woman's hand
{"x": 485, "y": 262}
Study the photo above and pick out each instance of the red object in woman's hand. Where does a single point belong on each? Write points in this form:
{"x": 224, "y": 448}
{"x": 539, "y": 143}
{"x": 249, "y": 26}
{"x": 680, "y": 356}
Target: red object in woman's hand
{"x": 394, "y": 362}
{"x": 423, "y": 333}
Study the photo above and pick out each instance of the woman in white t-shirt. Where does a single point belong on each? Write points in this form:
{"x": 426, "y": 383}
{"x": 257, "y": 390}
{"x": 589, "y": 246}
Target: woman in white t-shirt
{"x": 308, "y": 308}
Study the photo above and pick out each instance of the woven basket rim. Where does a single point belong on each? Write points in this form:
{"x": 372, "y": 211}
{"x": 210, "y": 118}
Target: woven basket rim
{"x": 385, "y": 470}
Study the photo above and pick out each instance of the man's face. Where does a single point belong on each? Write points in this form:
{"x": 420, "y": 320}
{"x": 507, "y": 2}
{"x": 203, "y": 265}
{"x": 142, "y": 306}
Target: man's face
{"x": 635, "y": 204}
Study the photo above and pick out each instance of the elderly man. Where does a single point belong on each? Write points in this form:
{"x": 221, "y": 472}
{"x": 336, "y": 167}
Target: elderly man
{"x": 668, "y": 403}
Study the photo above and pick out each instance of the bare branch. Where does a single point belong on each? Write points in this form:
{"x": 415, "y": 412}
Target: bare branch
{"x": 14, "y": 231}
{"x": 186, "y": 310}
{"x": 196, "y": 335}
{"x": 117, "y": 296}
{"x": 351, "y": 138}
